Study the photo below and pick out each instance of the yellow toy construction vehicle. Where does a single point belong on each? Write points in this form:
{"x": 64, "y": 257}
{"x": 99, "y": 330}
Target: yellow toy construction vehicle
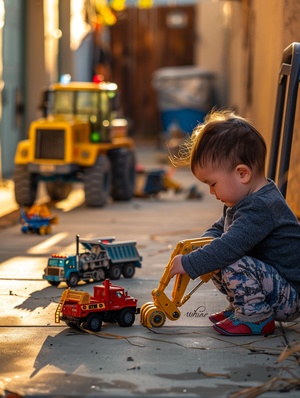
{"x": 154, "y": 314}
{"x": 78, "y": 139}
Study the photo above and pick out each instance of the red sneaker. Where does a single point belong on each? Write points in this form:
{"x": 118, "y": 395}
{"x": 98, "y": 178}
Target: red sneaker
{"x": 220, "y": 316}
{"x": 233, "y": 327}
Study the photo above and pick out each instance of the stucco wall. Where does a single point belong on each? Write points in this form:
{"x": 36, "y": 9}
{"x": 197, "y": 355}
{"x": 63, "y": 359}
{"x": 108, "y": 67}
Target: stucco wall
{"x": 244, "y": 48}
{"x": 276, "y": 27}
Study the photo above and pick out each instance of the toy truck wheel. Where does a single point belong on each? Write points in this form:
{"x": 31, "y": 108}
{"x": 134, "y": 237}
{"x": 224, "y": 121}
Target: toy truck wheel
{"x": 73, "y": 280}
{"x": 53, "y": 283}
{"x": 25, "y": 186}
{"x": 115, "y": 272}
{"x": 93, "y": 323}
{"x": 128, "y": 270}
{"x": 42, "y": 230}
{"x": 99, "y": 275}
{"x": 97, "y": 182}
{"x": 72, "y": 325}
{"x": 48, "y": 229}
{"x": 126, "y": 317}
{"x": 58, "y": 190}
{"x": 123, "y": 173}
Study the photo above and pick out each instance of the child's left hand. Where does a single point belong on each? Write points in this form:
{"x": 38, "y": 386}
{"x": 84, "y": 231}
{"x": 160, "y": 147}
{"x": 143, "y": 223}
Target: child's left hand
{"x": 176, "y": 267}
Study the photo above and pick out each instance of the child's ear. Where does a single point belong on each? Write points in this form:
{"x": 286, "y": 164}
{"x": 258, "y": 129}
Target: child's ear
{"x": 244, "y": 172}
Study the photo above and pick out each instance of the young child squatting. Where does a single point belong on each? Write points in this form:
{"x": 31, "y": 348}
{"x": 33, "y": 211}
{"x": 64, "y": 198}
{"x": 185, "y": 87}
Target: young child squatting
{"x": 255, "y": 253}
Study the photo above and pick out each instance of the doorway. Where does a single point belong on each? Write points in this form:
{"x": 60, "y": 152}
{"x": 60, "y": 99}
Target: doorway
{"x": 142, "y": 41}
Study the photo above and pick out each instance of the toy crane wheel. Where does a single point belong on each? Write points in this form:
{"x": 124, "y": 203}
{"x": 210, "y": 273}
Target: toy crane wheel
{"x": 143, "y": 311}
{"x": 157, "y": 318}
{"x": 151, "y": 316}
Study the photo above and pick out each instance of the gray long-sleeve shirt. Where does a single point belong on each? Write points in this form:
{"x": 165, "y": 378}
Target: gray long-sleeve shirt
{"x": 262, "y": 226}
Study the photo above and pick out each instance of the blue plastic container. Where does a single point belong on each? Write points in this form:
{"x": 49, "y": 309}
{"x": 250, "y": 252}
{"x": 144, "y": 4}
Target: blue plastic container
{"x": 184, "y": 96}
{"x": 185, "y": 119}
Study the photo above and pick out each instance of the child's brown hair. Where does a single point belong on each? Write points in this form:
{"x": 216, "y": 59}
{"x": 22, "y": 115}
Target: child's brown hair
{"x": 224, "y": 140}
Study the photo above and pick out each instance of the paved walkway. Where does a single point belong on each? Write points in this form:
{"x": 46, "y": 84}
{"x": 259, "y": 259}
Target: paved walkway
{"x": 7, "y": 198}
{"x": 186, "y": 358}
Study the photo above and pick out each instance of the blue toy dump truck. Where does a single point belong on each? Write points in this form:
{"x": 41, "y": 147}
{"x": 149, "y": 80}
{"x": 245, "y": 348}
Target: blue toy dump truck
{"x": 103, "y": 258}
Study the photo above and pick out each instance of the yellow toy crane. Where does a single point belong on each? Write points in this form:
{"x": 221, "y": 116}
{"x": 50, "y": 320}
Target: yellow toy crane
{"x": 154, "y": 314}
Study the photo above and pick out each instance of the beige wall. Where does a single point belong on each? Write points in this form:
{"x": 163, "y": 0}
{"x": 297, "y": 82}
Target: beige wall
{"x": 244, "y": 48}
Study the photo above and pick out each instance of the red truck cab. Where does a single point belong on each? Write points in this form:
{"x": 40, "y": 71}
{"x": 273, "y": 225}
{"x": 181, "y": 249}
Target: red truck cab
{"x": 110, "y": 303}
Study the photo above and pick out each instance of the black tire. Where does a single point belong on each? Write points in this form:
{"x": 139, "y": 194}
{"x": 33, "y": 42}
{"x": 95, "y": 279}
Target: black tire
{"x": 72, "y": 325}
{"x": 53, "y": 283}
{"x": 157, "y": 319}
{"x": 128, "y": 270}
{"x": 73, "y": 280}
{"x": 99, "y": 275}
{"x": 26, "y": 185}
{"x": 58, "y": 190}
{"x": 97, "y": 182}
{"x": 123, "y": 174}
{"x": 93, "y": 323}
{"x": 115, "y": 272}
{"x": 126, "y": 317}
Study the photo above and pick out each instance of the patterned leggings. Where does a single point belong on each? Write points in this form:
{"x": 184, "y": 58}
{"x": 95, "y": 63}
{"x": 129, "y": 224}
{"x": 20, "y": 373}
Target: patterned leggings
{"x": 255, "y": 289}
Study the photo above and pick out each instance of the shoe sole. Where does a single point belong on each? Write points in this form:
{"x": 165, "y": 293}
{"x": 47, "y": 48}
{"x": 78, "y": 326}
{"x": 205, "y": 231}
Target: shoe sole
{"x": 225, "y": 333}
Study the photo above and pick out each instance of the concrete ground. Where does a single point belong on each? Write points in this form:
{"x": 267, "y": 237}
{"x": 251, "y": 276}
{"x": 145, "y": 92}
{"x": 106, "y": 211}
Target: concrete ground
{"x": 186, "y": 358}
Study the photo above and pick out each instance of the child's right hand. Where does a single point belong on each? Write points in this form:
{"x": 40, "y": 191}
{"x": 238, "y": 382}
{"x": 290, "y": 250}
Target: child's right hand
{"x": 176, "y": 266}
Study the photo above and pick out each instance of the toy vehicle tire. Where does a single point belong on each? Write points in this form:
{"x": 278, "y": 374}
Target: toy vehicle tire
{"x": 26, "y": 185}
{"x": 128, "y": 270}
{"x": 58, "y": 190}
{"x": 123, "y": 174}
{"x": 93, "y": 323}
{"x": 126, "y": 317}
{"x": 42, "y": 230}
{"x": 97, "y": 182}
{"x": 115, "y": 272}
{"x": 53, "y": 283}
{"x": 73, "y": 280}
{"x": 157, "y": 318}
{"x": 99, "y": 275}
{"x": 72, "y": 325}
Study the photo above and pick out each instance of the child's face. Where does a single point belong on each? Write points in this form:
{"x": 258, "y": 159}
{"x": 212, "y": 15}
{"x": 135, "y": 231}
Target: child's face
{"x": 227, "y": 186}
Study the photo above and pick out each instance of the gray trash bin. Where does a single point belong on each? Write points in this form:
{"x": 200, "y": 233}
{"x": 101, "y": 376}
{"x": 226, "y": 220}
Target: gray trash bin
{"x": 185, "y": 94}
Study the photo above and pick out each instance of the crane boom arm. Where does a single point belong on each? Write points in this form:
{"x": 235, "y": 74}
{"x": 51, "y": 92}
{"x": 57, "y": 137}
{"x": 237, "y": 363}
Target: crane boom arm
{"x": 162, "y": 306}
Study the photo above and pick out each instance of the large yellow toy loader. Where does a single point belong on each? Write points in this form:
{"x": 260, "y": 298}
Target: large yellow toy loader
{"x": 78, "y": 139}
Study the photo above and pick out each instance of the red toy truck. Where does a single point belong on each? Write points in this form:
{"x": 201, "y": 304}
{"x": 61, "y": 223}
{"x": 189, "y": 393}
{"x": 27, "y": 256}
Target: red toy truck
{"x": 110, "y": 304}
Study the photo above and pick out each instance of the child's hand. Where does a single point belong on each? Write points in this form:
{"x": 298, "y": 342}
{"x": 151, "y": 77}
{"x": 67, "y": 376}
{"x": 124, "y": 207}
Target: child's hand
{"x": 176, "y": 267}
